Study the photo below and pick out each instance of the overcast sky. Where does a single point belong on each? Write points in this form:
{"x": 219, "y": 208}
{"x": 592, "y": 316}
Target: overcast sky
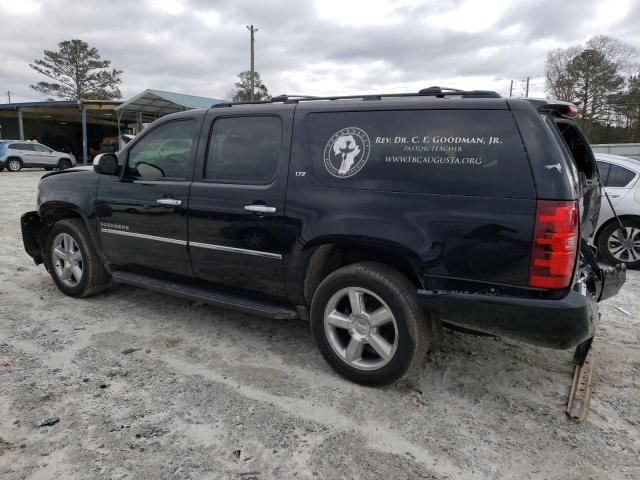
{"x": 306, "y": 46}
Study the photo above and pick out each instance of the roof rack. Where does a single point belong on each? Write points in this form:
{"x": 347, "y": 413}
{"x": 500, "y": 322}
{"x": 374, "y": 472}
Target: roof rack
{"x": 437, "y": 92}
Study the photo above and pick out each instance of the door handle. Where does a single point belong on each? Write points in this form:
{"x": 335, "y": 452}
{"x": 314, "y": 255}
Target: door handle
{"x": 260, "y": 208}
{"x": 169, "y": 201}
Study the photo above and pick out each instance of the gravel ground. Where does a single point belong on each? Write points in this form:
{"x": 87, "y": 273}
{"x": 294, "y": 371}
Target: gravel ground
{"x": 212, "y": 394}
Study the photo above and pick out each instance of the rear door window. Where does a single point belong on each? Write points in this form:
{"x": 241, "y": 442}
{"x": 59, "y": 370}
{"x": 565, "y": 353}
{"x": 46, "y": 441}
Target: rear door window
{"x": 451, "y": 152}
{"x": 619, "y": 177}
{"x": 244, "y": 149}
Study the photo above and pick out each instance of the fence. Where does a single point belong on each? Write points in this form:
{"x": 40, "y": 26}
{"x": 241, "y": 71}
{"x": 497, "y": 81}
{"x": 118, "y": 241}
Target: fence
{"x": 626, "y": 149}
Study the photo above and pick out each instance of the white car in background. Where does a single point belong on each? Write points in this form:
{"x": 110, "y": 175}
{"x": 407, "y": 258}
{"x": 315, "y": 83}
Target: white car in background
{"x": 620, "y": 177}
{"x": 18, "y": 154}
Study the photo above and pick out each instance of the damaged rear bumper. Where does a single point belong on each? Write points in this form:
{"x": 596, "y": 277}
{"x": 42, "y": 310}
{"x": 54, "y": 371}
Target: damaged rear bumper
{"x": 561, "y": 323}
{"x": 556, "y": 323}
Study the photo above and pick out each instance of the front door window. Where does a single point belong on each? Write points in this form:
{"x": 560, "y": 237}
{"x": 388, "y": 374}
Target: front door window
{"x": 164, "y": 154}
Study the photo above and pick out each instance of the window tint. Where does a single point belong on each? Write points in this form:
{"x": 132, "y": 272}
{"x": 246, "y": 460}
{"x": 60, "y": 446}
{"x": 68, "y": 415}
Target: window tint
{"x": 40, "y": 148}
{"x": 603, "y": 171}
{"x": 451, "y": 152}
{"x": 22, "y": 146}
{"x": 619, "y": 177}
{"x": 244, "y": 149}
{"x": 165, "y": 152}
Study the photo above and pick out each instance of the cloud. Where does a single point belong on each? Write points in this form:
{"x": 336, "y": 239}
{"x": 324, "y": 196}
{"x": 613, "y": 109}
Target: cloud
{"x": 328, "y": 47}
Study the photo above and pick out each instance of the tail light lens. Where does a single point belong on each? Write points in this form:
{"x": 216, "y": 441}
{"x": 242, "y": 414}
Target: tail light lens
{"x": 555, "y": 244}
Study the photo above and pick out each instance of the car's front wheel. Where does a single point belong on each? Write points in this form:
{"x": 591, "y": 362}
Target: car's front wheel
{"x": 367, "y": 323}
{"x": 64, "y": 164}
{"x": 618, "y": 246}
{"x": 14, "y": 165}
{"x": 72, "y": 261}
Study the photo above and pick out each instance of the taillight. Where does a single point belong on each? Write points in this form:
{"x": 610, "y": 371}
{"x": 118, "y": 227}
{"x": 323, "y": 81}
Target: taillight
{"x": 555, "y": 244}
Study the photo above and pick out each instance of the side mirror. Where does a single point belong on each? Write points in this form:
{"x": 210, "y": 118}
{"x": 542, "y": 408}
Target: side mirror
{"x": 106, "y": 164}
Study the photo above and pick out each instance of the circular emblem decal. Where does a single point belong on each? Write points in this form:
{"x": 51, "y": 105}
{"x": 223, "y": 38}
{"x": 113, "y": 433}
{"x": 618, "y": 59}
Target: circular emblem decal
{"x": 346, "y": 152}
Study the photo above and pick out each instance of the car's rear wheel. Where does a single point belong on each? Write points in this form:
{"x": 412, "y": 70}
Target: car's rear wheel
{"x": 64, "y": 164}
{"x": 617, "y": 246}
{"x": 14, "y": 165}
{"x": 367, "y": 323}
{"x": 72, "y": 261}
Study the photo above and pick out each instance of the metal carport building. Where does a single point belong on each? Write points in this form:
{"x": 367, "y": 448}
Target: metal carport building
{"x": 79, "y": 126}
{"x": 151, "y": 104}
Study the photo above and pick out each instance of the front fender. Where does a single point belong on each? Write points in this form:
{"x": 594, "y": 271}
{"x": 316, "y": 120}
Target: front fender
{"x": 67, "y": 194}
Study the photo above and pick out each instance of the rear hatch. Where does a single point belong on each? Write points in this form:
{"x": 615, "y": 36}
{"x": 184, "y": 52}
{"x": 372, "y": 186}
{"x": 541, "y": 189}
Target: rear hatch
{"x": 577, "y": 149}
{"x": 580, "y": 163}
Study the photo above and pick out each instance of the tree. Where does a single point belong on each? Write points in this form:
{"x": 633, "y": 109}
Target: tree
{"x": 242, "y": 92}
{"x": 626, "y": 107}
{"x": 594, "y": 80}
{"x": 589, "y": 76}
{"x": 559, "y": 85}
{"x": 78, "y": 73}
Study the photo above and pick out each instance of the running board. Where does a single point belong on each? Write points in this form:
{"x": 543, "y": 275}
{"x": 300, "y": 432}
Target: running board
{"x": 210, "y": 297}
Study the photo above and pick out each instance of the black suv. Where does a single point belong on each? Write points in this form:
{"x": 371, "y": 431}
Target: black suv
{"x": 377, "y": 218}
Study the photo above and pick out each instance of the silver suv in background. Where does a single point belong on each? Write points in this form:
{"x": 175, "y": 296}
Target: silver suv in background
{"x": 18, "y": 154}
{"x": 620, "y": 177}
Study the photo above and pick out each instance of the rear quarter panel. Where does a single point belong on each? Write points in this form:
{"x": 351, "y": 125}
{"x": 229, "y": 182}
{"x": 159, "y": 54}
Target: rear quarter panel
{"x": 482, "y": 238}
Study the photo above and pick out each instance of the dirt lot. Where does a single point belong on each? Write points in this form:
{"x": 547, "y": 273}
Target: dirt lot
{"x": 211, "y": 394}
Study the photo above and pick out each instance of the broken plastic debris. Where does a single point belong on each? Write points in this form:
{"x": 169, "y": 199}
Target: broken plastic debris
{"x": 626, "y": 312}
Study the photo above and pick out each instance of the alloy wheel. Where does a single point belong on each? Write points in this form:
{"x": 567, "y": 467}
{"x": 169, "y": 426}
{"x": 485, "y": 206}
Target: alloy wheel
{"x": 361, "y": 328}
{"x": 67, "y": 260}
{"x": 625, "y": 249}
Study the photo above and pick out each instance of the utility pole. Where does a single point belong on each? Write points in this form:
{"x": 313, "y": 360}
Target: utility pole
{"x": 526, "y": 94}
{"x": 253, "y": 30}
{"x": 9, "y": 95}
{"x": 511, "y": 89}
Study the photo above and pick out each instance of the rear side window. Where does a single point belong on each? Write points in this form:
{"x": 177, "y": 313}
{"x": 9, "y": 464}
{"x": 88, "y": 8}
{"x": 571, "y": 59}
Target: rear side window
{"x": 618, "y": 177}
{"x": 244, "y": 149}
{"x": 451, "y": 152}
{"x": 22, "y": 146}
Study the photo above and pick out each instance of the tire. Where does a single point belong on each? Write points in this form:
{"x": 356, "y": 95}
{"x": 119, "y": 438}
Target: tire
{"x": 71, "y": 238}
{"x": 612, "y": 247}
{"x": 335, "y": 329}
{"x": 64, "y": 163}
{"x": 48, "y": 169}
{"x": 1, "y": 169}
{"x": 14, "y": 164}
